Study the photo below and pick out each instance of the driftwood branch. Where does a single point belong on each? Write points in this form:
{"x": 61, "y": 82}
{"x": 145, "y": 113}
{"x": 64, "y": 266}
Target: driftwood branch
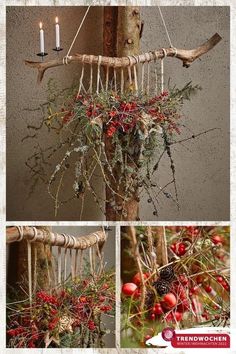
{"x": 187, "y": 56}
{"x": 55, "y": 239}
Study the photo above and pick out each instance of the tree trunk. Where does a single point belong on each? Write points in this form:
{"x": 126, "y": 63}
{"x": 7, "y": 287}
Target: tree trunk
{"x": 121, "y": 37}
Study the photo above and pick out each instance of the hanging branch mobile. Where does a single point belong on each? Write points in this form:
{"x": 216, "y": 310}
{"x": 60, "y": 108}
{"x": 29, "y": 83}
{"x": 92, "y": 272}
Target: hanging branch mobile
{"x": 123, "y": 122}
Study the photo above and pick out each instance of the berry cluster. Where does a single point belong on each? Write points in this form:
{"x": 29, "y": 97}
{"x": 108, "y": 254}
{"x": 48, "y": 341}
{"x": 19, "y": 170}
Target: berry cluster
{"x": 75, "y": 309}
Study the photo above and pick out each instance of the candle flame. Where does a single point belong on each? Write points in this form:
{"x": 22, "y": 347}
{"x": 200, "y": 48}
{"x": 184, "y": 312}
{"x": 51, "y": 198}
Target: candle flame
{"x": 40, "y": 25}
{"x": 56, "y": 19}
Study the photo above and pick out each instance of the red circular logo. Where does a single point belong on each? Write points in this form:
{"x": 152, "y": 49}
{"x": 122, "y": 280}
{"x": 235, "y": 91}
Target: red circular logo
{"x": 168, "y": 333}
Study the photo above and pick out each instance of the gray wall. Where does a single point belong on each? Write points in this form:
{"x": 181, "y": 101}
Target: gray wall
{"x": 202, "y": 165}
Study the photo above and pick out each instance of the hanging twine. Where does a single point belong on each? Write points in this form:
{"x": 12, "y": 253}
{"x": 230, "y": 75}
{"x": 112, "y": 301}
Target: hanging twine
{"x": 91, "y": 75}
{"x": 59, "y": 266}
{"x": 115, "y": 85}
{"x": 142, "y": 76}
{"x": 162, "y": 70}
{"x": 29, "y": 257}
{"x": 164, "y": 24}
{"x": 122, "y": 81}
{"x": 21, "y": 233}
{"x": 98, "y": 73}
{"x": 65, "y": 59}
{"x": 81, "y": 77}
{"x": 107, "y": 77}
{"x": 135, "y": 72}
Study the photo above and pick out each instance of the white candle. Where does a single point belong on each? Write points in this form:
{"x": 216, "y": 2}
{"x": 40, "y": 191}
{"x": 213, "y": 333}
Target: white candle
{"x": 41, "y": 36}
{"x": 57, "y": 27}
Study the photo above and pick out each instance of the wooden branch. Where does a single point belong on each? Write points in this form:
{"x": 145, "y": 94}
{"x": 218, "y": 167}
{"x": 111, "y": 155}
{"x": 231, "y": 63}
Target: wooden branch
{"x": 139, "y": 266}
{"x": 187, "y": 56}
{"x": 55, "y": 239}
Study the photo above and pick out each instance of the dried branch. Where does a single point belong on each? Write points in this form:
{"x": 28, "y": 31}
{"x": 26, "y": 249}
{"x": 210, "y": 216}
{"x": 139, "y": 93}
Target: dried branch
{"x": 138, "y": 262}
{"x": 187, "y": 56}
{"x": 55, "y": 239}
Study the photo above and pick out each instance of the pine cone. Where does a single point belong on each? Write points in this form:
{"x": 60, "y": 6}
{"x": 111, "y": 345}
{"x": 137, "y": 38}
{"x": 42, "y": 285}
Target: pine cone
{"x": 167, "y": 273}
{"x": 162, "y": 287}
{"x": 149, "y": 300}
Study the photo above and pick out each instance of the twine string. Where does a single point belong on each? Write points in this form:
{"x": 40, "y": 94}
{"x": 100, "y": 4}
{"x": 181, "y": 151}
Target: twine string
{"x": 162, "y": 70}
{"x": 65, "y": 59}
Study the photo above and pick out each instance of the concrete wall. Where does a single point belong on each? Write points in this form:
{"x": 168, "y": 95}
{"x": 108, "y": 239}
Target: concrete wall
{"x": 202, "y": 165}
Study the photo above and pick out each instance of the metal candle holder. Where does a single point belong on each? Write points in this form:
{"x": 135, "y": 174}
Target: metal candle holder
{"x": 42, "y": 55}
{"x": 57, "y": 49}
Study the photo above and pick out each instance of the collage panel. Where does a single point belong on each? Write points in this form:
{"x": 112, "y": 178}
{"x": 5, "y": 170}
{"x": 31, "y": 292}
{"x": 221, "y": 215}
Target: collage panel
{"x": 118, "y": 143}
{"x": 61, "y": 290}
{"x": 105, "y": 136}
{"x": 175, "y": 280}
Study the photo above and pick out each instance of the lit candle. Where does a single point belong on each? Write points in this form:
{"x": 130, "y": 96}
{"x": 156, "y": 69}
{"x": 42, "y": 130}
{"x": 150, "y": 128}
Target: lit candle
{"x": 57, "y": 27}
{"x": 41, "y": 34}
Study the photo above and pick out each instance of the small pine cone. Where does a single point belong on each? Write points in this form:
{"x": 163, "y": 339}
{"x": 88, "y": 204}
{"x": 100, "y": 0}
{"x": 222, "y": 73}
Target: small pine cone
{"x": 149, "y": 299}
{"x": 162, "y": 287}
{"x": 167, "y": 273}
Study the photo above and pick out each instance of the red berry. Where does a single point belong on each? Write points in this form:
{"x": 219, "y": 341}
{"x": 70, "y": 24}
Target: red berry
{"x": 183, "y": 306}
{"x": 157, "y": 309}
{"x": 183, "y": 279}
{"x": 205, "y": 315}
{"x": 137, "y": 278}
{"x": 178, "y": 316}
{"x": 152, "y": 316}
{"x": 147, "y": 337}
{"x": 194, "y": 290}
{"x": 178, "y": 248}
{"x": 129, "y": 289}
{"x": 220, "y": 279}
{"x": 199, "y": 279}
{"x": 208, "y": 288}
{"x": 137, "y": 293}
{"x": 225, "y": 285}
{"x": 169, "y": 300}
{"x": 217, "y": 240}
{"x": 105, "y": 286}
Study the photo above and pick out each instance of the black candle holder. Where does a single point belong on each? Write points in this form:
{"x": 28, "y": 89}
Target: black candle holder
{"x": 42, "y": 55}
{"x": 57, "y": 49}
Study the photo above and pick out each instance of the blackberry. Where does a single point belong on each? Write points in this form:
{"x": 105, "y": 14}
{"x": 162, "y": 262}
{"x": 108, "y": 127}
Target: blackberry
{"x": 167, "y": 273}
{"x": 162, "y": 287}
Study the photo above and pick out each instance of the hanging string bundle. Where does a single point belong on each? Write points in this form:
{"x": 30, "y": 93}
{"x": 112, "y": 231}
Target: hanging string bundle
{"x": 68, "y": 248}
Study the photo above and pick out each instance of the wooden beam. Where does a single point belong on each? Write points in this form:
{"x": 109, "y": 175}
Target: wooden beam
{"x": 187, "y": 56}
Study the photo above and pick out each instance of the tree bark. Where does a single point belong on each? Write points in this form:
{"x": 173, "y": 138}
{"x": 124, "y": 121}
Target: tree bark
{"x": 121, "y": 38}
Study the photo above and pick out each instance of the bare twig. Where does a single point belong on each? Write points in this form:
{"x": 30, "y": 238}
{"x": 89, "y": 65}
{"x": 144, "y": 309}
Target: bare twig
{"x": 139, "y": 266}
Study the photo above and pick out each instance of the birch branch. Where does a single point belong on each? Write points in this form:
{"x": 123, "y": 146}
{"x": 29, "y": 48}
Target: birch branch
{"x": 55, "y": 239}
{"x": 187, "y": 56}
